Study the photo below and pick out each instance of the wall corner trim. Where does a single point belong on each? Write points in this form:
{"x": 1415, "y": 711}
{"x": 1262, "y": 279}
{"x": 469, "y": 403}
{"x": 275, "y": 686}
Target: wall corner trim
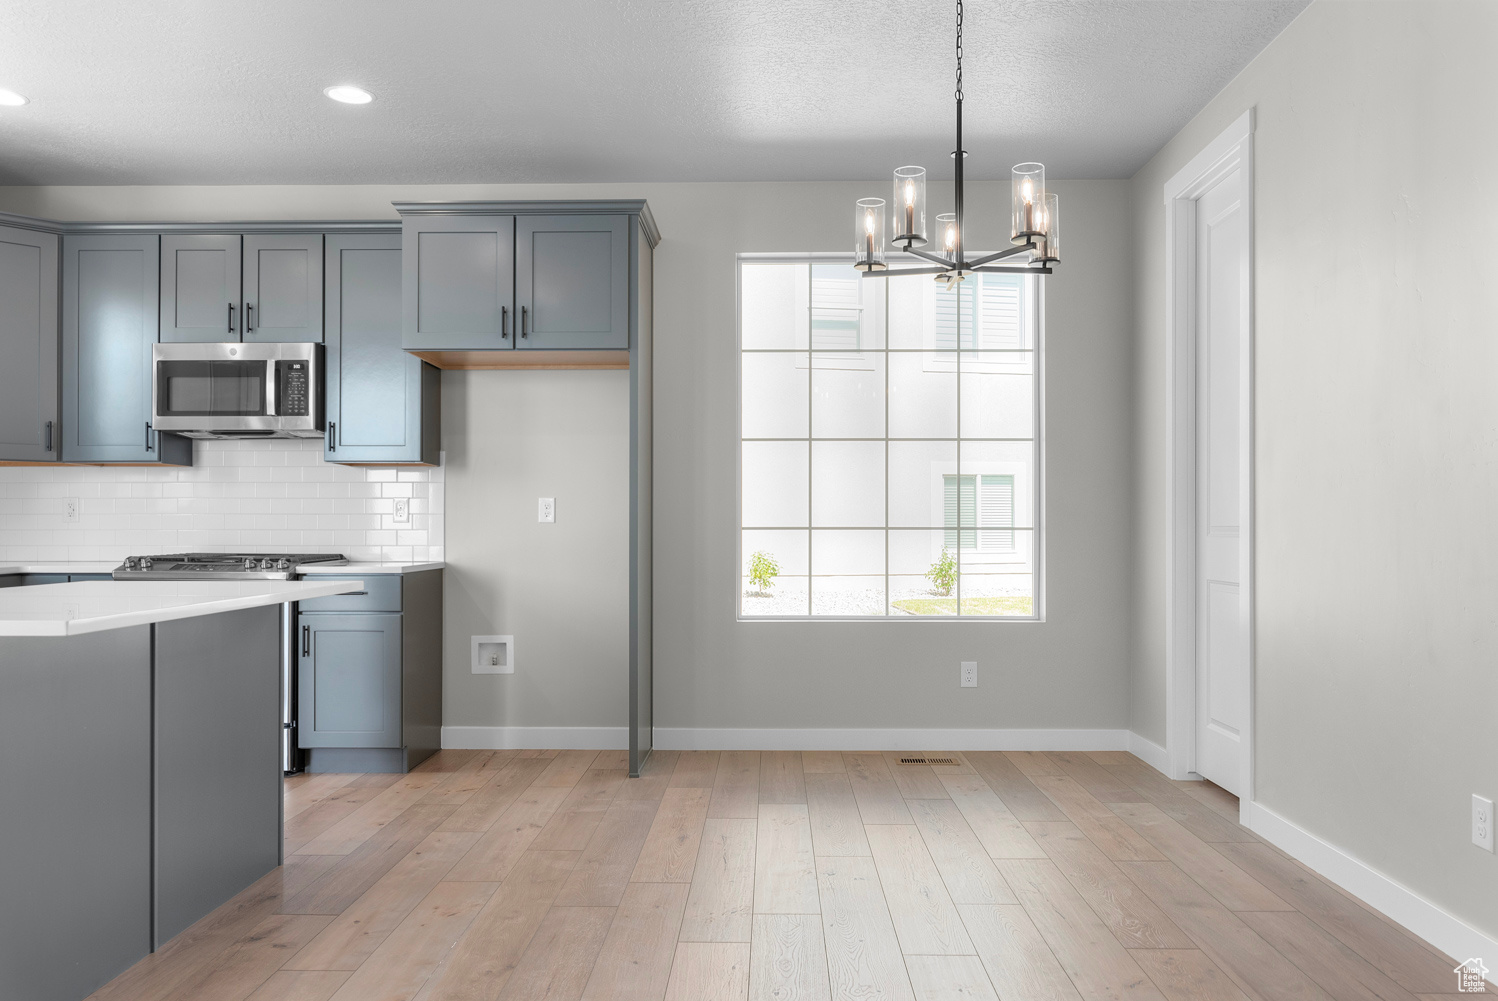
{"x": 1384, "y": 894}
{"x": 1149, "y": 752}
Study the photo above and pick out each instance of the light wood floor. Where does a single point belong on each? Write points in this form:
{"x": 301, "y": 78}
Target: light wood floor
{"x": 793, "y": 876}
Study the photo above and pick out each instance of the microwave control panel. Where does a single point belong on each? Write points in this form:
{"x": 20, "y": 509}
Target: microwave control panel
{"x": 293, "y": 379}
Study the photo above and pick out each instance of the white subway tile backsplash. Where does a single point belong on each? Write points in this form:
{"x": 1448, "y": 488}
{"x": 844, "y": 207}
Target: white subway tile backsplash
{"x": 276, "y": 496}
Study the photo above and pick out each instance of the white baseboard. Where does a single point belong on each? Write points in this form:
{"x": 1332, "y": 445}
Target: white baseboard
{"x": 712, "y": 739}
{"x": 495, "y": 738}
{"x": 1448, "y": 933}
{"x": 1149, "y": 752}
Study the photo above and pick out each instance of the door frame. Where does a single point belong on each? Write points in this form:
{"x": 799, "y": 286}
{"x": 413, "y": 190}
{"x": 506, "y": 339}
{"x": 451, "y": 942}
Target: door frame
{"x": 1231, "y": 150}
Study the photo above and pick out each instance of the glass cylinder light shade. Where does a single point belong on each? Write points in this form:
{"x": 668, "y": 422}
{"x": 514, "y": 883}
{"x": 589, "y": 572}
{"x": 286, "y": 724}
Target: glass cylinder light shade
{"x": 910, "y": 207}
{"x": 946, "y": 232}
{"x": 1050, "y": 245}
{"x": 1028, "y": 199}
{"x": 868, "y": 235}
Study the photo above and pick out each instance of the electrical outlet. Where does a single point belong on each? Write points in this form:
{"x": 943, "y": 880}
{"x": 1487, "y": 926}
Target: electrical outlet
{"x": 1482, "y": 822}
{"x": 70, "y": 509}
{"x": 402, "y": 510}
{"x": 546, "y": 509}
{"x": 970, "y": 674}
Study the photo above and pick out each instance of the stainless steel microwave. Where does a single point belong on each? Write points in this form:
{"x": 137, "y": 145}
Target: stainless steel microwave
{"x": 238, "y": 390}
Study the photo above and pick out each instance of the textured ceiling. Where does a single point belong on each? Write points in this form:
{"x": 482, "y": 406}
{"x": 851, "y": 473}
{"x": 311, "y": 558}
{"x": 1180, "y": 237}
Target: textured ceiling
{"x": 214, "y": 92}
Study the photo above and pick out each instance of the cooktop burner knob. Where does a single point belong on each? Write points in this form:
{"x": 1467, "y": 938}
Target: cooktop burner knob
{"x": 249, "y": 564}
{"x": 145, "y": 562}
{"x": 283, "y": 564}
{"x": 266, "y": 564}
{"x": 129, "y": 562}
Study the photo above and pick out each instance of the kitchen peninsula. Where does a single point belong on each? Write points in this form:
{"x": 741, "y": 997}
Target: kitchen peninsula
{"x": 139, "y": 766}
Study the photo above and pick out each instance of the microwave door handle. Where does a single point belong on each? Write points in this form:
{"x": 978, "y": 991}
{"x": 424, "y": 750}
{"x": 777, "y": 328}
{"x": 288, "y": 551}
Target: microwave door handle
{"x": 272, "y": 389}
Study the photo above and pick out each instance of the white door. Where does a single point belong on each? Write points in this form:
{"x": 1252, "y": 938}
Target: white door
{"x": 1221, "y": 637}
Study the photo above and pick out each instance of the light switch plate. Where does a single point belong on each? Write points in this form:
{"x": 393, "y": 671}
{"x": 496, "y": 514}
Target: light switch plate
{"x": 1482, "y": 822}
{"x": 970, "y": 674}
{"x": 546, "y": 509}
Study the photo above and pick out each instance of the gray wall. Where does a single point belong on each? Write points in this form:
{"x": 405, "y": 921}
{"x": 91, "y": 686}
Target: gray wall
{"x": 1377, "y": 456}
{"x": 1071, "y": 671}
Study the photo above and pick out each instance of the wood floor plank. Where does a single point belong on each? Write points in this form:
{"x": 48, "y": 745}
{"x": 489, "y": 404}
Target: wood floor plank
{"x": 836, "y": 825}
{"x": 303, "y": 791}
{"x": 568, "y": 768}
{"x": 949, "y": 978}
{"x": 1239, "y": 951}
{"x": 635, "y": 961}
{"x": 654, "y": 778}
{"x": 1094, "y": 960}
{"x": 998, "y": 830}
{"x": 478, "y": 964}
{"x": 959, "y": 765}
{"x": 360, "y": 869}
{"x": 464, "y": 781}
{"x": 358, "y": 930}
{"x": 785, "y": 871}
{"x": 879, "y": 799}
{"x": 1107, "y": 787}
{"x": 1236, "y": 889}
{"x": 721, "y": 902}
{"x": 736, "y": 786}
{"x": 617, "y": 758}
{"x": 926, "y": 922}
{"x": 607, "y": 862}
{"x": 863, "y": 951}
{"x": 1216, "y": 797}
{"x": 559, "y": 959}
{"x": 781, "y": 777}
{"x": 965, "y": 866}
{"x": 363, "y": 823}
{"x": 1186, "y": 810}
{"x": 1341, "y": 972}
{"x": 1102, "y": 826}
{"x": 1033, "y": 763}
{"x": 300, "y": 829}
{"x": 497, "y": 850}
{"x": 914, "y": 781}
{"x": 669, "y": 854}
{"x": 1016, "y": 958}
{"x": 1187, "y": 975}
{"x": 571, "y": 827}
{"x": 244, "y": 966}
{"x": 506, "y": 784}
{"x": 406, "y": 959}
{"x": 300, "y": 985}
{"x": 696, "y": 769}
{"x": 821, "y": 761}
{"x": 709, "y": 971}
{"x": 788, "y": 960}
{"x": 1132, "y": 917}
{"x": 1405, "y": 960}
{"x": 1019, "y": 795}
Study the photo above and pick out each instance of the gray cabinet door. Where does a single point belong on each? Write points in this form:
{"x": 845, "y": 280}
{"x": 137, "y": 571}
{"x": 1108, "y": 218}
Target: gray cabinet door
{"x": 459, "y": 282}
{"x": 28, "y": 346}
{"x": 200, "y": 285}
{"x": 572, "y": 281}
{"x": 380, "y": 407}
{"x": 283, "y": 287}
{"x": 349, "y": 686}
{"x": 108, "y": 326}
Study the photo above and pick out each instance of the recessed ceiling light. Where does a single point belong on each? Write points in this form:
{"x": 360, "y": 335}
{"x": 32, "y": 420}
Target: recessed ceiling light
{"x": 345, "y": 94}
{"x": 11, "y": 99}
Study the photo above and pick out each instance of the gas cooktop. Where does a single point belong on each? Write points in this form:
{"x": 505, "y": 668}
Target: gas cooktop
{"x": 222, "y": 566}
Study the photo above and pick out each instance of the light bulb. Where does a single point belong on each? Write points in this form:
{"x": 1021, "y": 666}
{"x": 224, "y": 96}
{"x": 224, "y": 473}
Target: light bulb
{"x": 868, "y": 222}
{"x": 1027, "y": 191}
{"x": 951, "y": 237}
{"x": 909, "y": 193}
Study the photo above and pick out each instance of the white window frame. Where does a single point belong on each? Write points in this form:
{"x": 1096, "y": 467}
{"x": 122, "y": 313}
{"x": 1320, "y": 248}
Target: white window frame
{"x": 1038, "y": 526}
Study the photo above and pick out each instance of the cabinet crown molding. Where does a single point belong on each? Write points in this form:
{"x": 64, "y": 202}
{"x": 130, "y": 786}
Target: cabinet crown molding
{"x": 273, "y": 226}
{"x": 572, "y": 206}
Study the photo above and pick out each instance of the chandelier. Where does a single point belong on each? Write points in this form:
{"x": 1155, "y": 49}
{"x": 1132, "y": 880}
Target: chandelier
{"x": 1035, "y": 230}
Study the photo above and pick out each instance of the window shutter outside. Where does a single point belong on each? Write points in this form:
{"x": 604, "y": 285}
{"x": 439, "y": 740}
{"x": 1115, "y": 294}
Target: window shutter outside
{"x": 960, "y": 492}
{"x": 837, "y": 309}
{"x": 997, "y": 511}
{"x": 1000, "y": 313}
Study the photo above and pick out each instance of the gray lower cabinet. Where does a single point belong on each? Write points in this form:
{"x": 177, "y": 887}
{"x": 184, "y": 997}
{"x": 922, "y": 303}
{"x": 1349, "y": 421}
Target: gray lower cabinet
{"x": 369, "y": 683}
{"x": 28, "y": 346}
{"x": 459, "y": 283}
{"x": 233, "y": 287}
{"x": 109, "y": 323}
{"x": 383, "y": 404}
{"x": 572, "y": 281}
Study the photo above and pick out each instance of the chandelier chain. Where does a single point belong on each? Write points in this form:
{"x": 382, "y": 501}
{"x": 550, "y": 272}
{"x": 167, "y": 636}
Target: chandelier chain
{"x": 958, "y": 94}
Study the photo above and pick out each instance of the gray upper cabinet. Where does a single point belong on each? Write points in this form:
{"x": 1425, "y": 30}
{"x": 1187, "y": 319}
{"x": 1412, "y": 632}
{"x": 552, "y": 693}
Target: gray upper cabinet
{"x": 28, "y": 346}
{"x": 572, "y": 281}
{"x": 349, "y": 684}
{"x": 283, "y": 287}
{"x": 200, "y": 285}
{"x": 383, "y": 404}
{"x": 459, "y": 282}
{"x": 109, "y": 322}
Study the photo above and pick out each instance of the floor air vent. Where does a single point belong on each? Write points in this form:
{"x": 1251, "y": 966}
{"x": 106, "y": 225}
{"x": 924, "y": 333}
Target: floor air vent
{"x": 928, "y": 761}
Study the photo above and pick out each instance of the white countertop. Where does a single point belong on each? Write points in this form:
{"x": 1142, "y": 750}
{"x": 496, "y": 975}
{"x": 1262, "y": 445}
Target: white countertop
{"x": 97, "y": 605}
{"x": 351, "y": 567}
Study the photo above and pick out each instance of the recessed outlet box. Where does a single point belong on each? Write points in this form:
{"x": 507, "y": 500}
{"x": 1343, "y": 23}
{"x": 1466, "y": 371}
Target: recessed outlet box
{"x": 402, "y": 510}
{"x": 546, "y": 509}
{"x": 1482, "y": 822}
{"x": 493, "y": 654}
{"x": 970, "y": 674}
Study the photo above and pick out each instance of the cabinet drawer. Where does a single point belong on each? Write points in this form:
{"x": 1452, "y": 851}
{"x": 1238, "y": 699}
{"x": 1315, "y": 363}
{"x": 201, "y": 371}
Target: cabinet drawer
{"x": 382, "y": 593}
